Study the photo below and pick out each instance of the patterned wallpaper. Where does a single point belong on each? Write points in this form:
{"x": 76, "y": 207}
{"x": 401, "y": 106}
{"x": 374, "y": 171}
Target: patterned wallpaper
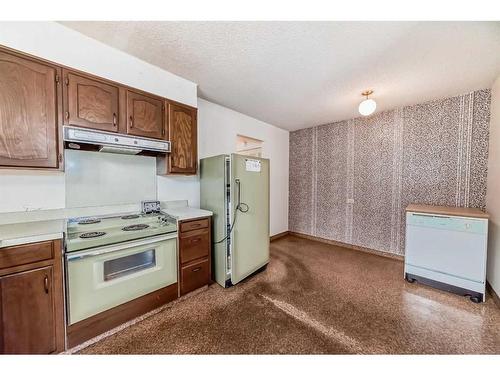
{"x": 350, "y": 181}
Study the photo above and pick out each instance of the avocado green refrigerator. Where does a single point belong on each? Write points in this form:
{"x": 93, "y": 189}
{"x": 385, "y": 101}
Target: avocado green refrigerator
{"x": 236, "y": 189}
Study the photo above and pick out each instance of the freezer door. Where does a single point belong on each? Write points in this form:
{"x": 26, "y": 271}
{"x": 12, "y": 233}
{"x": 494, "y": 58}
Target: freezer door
{"x": 213, "y": 183}
{"x": 250, "y": 237}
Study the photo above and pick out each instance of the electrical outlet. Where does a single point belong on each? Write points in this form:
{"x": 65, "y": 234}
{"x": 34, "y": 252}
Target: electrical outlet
{"x": 350, "y": 200}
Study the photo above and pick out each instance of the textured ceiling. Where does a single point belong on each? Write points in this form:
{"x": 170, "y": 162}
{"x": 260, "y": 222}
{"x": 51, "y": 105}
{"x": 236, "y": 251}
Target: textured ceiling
{"x": 300, "y": 74}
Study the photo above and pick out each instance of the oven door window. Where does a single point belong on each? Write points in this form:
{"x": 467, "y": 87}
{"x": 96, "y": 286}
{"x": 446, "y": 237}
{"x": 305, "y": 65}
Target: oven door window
{"x": 119, "y": 267}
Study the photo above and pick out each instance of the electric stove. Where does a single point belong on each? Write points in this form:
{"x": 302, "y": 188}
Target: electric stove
{"x": 88, "y": 232}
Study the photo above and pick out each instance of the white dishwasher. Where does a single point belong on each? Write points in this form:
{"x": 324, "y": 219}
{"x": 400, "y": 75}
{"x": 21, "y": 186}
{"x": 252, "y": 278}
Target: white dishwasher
{"x": 446, "y": 248}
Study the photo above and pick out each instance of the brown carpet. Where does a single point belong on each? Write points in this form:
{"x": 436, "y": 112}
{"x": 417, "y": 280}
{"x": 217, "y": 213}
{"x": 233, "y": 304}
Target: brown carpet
{"x": 316, "y": 298}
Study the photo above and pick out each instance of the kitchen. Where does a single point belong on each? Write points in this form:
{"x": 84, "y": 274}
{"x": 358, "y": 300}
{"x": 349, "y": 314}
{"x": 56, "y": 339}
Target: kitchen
{"x": 139, "y": 216}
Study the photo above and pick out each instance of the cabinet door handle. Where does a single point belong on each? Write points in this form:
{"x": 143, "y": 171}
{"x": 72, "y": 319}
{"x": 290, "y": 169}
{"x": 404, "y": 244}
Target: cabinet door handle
{"x": 131, "y": 122}
{"x": 114, "y": 119}
{"x": 46, "y": 284}
{"x": 196, "y": 269}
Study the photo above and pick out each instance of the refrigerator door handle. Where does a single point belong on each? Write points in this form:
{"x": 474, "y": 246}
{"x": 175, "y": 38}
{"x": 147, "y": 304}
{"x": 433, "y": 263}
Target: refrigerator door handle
{"x": 243, "y": 207}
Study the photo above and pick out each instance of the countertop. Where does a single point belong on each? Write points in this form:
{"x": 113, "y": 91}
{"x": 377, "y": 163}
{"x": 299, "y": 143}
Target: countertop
{"x": 181, "y": 211}
{"x": 35, "y": 231}
{"x": 48, "y": 225}
{"x": 445, "y": 210}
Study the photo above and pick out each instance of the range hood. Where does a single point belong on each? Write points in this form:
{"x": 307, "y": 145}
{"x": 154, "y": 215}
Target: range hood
{"x": 75, "y": 138}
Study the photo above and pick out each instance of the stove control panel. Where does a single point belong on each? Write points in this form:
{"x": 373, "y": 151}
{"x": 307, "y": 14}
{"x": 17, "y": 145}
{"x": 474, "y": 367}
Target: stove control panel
{"x": 149, "y": 207}
{"x": 166, "y": 220}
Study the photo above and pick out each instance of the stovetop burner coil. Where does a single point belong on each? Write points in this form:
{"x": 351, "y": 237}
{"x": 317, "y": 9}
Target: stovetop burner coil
{"x": 128, "y": 217}
{"x": 92, "y": 234}
{"x": 89, "y": 220}
{"x": 135, "y": 227}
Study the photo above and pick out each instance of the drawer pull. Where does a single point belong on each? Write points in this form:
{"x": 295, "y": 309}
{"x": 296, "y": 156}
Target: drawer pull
{"x": 196, "y": 240}
{"x": 46, "y": 284}
{"x": 196, "y": 269}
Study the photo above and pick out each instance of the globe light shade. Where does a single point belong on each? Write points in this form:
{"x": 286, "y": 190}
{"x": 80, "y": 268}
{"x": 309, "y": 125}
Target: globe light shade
{"x": 367, "y": 107}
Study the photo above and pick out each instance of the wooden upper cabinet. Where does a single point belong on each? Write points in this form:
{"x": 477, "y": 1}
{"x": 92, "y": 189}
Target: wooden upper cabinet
{"x": 145, "y": 115}
{"x": 28, "y": 112}
{"x": 182, "y": 133}
{"x": 27, "y": 315}
{"x": 90, "y": 103}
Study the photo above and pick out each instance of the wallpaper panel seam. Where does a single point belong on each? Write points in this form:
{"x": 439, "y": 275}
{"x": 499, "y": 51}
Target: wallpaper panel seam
{"x": 314, "y": 177}
{"x": 349, "y": 181}
{"x": 397, "y": 181}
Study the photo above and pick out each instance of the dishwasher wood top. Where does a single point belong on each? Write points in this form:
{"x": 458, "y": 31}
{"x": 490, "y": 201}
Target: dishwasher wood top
{"x": 445, "y": 210}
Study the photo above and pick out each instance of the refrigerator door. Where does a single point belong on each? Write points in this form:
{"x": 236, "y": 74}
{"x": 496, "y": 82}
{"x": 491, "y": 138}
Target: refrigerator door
{"x": 250, "y": 237}
{"x": 213, "y": 183}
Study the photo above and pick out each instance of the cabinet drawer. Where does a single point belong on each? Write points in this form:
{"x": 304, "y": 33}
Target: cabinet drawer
{"x": 25, "y": 254}
{"x": 195, "y": 224}
{"x": 194, "y": 276}
{"x": 194, "y": 246}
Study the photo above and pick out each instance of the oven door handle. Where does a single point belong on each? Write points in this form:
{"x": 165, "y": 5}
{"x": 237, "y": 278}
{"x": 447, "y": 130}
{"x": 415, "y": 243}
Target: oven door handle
{"x": 117, "y": 247}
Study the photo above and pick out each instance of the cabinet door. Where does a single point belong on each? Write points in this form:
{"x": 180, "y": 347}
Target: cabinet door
{"x": 182, "y": 132}
{"x": 90, "y": 103}
{"x": 144, "y": 115}
{"x": 28, "y": 112}
{"x": 27, "y": 323}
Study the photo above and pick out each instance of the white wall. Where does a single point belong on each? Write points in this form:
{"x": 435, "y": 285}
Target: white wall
{"x": 218, "y": 128}
{"x": 26, "y": 190}
{"x": 32, "y": 190}
{"x": 493, "y": 190}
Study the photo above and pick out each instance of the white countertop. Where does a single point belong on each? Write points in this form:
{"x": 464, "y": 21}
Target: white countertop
{"x": 24, "y": 227}
{"x": 181, "y": 211}
{"x": 35, "y": 231}
{"x": 187, "y": 213}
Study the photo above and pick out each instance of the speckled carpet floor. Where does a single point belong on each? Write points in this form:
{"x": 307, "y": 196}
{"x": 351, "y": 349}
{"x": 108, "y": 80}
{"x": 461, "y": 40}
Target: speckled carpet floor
{"x": 316, "y": 298}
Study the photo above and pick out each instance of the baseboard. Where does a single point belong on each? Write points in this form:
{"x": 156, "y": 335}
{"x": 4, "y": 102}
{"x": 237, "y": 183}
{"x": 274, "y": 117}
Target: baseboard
{"x": 278, "y": 236}
{"x": 493, "y": 294}
{"x": 349, "y": 246}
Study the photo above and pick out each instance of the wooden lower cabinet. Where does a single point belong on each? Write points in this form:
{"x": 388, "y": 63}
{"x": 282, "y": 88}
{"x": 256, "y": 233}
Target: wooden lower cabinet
{"x": 28, "y": 312}
{"x": 31, "y": 302}
{"x": 195, "y": 253}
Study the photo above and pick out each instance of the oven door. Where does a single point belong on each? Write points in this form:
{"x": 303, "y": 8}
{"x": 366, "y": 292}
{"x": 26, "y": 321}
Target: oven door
{"x": 105, "y": 277}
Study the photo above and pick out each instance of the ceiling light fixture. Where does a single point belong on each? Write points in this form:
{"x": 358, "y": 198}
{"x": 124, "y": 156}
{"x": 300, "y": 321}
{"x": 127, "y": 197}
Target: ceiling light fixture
{"x": 367, "y": 106}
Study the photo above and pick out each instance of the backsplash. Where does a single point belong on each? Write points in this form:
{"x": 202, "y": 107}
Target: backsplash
{"x": 103, "y": 179}
{"x": 351, "y": 181}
